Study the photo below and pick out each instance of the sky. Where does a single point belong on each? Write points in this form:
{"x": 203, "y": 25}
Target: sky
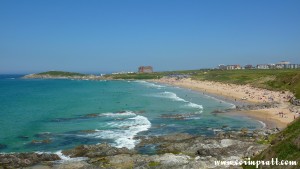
{"x": 120, "y": 35}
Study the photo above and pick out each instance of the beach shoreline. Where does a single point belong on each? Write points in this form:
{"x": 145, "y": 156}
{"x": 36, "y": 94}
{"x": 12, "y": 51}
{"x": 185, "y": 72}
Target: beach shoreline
{"x": 243, "y": 95}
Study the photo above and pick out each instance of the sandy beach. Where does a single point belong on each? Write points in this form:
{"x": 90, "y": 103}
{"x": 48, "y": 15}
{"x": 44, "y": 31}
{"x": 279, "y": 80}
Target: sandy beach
{"x": 273, "y": 117}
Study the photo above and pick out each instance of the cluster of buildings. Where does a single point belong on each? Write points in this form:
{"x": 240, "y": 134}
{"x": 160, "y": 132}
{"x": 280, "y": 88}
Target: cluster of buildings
{"x": 145, "y": 69}
{"x": 141, "y": 69}
{"x": 279, "y": 65}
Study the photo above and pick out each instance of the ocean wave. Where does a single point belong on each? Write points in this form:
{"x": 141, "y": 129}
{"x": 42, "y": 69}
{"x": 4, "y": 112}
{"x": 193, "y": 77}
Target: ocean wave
{"x": 194, "y": 105}
{"x": 171, "y": 95}
{"x": 125, "y": 113}
{"x": 123, "y": 132}
{"x": 148, "y": 84}
{"x": 232, "y": 106}
{"x": 67, "y": 158}
{"x": 262, "y": 123}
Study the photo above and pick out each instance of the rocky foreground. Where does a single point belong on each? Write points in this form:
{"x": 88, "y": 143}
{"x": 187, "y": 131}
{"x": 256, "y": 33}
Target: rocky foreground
{"x": 172, "y": 151}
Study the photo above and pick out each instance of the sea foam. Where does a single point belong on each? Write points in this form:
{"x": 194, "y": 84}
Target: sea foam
{"x": 123, "y": 132}
{"x": 67, "y": 158}
{"x": 126, "y": 113}
{"x": 148, "y": 84}
{"x": 173, "y": 96}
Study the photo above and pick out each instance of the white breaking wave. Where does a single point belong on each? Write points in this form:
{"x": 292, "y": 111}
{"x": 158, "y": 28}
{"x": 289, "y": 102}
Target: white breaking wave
{"x": 172, "y": 96}
{"x": 67, "y": 158}
{"x": 126, "y": 113}
{"x": 190, "y": 104}
{"x": 62, "y": 156}
{"x": 126, "y": 130}
{"x": 148, "y": 84}
{"x": 262, "y": 123}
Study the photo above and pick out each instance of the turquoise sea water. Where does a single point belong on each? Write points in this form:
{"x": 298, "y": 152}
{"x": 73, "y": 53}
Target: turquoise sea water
{"x": 51, "y": 115}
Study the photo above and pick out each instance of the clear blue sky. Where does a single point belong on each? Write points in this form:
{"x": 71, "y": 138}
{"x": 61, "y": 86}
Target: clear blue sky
{"x": 116, "y": 35}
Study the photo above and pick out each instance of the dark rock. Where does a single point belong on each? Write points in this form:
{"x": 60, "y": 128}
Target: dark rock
{"x": 295, "y": 101}
{"x": 23, "y": 137}
{"x": 87, "y": 131}
{"x": 92, "y": 115}
{"x": 217, "y": 112}
{"x": 44, "y": 135}
{"x": 46, "y": 141}
{"x": 3, "y": 146}
{"x": 257, "y": 106}
{"x": 19, "y": 160}
{"x": 214, "y": 152}
{"x": 99, "y": 150}
{"x": 177, "y": 116}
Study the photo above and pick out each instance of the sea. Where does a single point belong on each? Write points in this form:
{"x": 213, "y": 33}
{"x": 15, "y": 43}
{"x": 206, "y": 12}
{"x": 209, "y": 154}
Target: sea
{"x": 46, "y": 115}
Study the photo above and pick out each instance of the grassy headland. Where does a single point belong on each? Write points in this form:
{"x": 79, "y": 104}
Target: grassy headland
{"x": 61, "y": 73}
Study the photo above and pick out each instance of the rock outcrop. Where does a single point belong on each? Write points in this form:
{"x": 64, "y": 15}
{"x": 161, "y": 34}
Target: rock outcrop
{"x": 19, "y": 160}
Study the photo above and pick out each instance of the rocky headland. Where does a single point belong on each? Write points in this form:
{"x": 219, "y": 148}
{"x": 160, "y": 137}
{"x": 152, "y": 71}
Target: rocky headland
{"x": 62, "y": 75}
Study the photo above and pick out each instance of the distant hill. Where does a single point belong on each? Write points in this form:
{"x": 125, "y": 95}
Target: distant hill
{"x": 58, "y": 75}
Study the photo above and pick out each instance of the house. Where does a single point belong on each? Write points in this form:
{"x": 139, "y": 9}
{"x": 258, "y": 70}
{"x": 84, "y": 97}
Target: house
{"x": 248, "y": 67}
{"x": 263, "y": 66}
{"x": 222, "y": 67}
{"x": 292, "y": 66}
{"x": 145, "y": 69}
{"x": 233, "y": 67}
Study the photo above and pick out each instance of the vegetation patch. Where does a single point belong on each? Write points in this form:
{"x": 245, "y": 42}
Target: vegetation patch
{"x": 285, "y": 145}
{"x": 154, "y": 164}
{"x": 61, "y": 73}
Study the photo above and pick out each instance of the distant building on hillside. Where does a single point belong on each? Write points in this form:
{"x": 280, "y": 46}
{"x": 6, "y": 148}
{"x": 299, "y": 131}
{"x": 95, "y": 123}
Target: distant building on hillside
{"x": 233, "y": 67}
{"x": 222, "y": 67}
{"x": 263, "y": 66}
{"x": 145, "y": 69}
{"x": 292, "y": 66}
{"x": 248, "y": 67}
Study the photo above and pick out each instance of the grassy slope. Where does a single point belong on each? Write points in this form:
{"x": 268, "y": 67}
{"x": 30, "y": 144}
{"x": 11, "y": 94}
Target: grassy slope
{"x": 269, "y": 79}
{"x": 285, "y": 146}
{"x": 60, "y": 73}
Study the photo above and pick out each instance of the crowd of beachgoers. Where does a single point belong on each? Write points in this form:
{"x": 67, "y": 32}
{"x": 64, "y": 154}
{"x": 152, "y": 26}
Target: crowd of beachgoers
{"x": 282, "y": 114}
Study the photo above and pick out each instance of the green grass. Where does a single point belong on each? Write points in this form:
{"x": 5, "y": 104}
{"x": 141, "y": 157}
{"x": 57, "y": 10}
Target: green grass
{"x": 137, "y": 76}
{"x": 61, "y": 73}
{"x": 284, "y": 79}
{"x": 154, "y": 164}
{"x": 285, "y": 145}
